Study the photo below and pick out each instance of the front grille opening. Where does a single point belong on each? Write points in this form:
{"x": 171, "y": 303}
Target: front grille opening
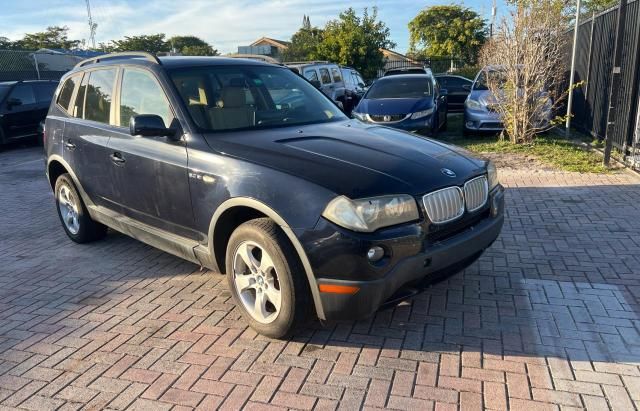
{"x": 440, "y": 233}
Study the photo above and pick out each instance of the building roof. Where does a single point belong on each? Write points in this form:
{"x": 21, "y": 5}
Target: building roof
{"x": 387, "y": 52}
{"x": 277, "y": 43}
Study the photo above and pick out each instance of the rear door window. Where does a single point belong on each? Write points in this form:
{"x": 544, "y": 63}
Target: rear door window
{"x": 324, "y": 75}
{"x": 44, "y": 92}
{"x": 99, "y": 92}
{"x": 336, "y": 75}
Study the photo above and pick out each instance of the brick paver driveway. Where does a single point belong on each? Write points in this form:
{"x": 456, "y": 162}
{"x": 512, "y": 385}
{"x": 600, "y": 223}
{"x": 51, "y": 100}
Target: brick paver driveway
{"x": 548, "y": 318}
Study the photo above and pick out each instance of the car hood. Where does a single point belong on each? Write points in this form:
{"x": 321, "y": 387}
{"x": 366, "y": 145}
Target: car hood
{"x": 351, "y": 158}
{"x": 484, "y": 97}
{"x": 393, "y": 105}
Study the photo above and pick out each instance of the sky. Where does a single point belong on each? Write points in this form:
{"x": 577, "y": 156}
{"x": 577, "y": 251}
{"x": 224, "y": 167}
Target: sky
{"x": 225, "y": 24}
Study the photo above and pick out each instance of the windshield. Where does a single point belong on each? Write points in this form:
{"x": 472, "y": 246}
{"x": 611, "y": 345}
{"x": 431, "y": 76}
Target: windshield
{"x": 4, "y": 89}
{"x": 481, "y": 82}
{"x": 416, "y": 87}
{"x": 250, "y": 97}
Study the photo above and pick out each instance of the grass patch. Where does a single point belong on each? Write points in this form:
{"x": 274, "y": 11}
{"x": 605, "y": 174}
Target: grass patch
{"x": 551, "y": 148}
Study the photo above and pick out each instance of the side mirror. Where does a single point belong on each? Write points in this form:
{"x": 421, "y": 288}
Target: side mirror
{"x": 149, "y": 125}
{"x": 466, "y": 87}
{"x": 12, "y": 102}
{"x": 315, "y": 83}
{"x": 362, "y": 85}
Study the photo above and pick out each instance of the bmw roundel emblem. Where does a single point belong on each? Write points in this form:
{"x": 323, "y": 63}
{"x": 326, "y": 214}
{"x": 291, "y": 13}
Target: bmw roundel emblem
{"x": 447, "y": 172}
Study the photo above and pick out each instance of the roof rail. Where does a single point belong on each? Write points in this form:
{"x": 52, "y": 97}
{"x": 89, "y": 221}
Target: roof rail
{"x": 292, "y": 63}
{"x": 132, "y": 54}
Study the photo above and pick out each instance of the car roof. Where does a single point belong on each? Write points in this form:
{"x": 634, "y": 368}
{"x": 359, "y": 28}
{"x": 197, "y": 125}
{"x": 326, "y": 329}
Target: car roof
{"x": 11, "y": 83}
{"x": 404, "y": 76}
{"x": 171, "y": 62}
{"x": 190, "y": 61}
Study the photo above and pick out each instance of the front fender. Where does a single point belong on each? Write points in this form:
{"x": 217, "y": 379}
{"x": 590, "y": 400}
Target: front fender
{"x": 269, "y": 212}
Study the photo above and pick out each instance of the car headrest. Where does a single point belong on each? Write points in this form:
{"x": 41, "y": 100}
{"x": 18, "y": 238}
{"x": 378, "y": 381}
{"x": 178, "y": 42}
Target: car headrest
{"x": 233, "y": 97}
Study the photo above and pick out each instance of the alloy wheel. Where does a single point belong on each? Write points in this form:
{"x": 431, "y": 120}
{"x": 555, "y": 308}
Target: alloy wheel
{"x": 68, "y": 206}
{"x": 256, "y": 282}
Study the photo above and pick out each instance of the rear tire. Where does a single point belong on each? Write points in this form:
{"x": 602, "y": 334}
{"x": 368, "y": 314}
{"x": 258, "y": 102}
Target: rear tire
{"x": 75, "y": 218}
{"x": 266, "y": 278}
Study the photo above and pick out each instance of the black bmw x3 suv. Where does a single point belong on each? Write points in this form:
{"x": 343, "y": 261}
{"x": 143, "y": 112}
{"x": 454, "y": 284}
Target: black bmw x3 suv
{"x": 246, "y": 168}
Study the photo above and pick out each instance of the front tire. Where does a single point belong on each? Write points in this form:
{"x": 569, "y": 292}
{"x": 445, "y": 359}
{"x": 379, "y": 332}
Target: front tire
{"x": 75, "y": 218}
{"x": 266, "y": 278}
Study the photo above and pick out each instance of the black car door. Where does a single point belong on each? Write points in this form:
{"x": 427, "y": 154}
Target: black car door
{"x": 20, "y": 117}
{"x": 149, "y": 173}
{"x": 457, "y": 93}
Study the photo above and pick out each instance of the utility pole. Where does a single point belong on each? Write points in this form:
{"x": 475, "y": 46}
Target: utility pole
{"x": 573, "y": 71}
{"x": 92, "y": 26}
{"x": 616, "y": 79}
{"x": 494, "y": 8}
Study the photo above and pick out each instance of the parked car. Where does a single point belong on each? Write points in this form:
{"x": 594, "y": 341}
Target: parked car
{"x": 458, "y": 88}
{"x": 23, "y": 105}
{"x": 303, "y": 208}
{"x": 407, "y": 70}
{"x": 410, "y": 102}
{"x": 480, "y": 109}
{"x": 354, "y": 86}
{"x": 326, "y": 76}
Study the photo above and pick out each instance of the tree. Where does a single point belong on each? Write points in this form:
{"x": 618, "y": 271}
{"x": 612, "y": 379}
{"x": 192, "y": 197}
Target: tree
{"x": 355, "y": 41}
{"x": 594, "y": 6}
{"x": 5, "y": 43}
{"x": 528, "y": 53}
{"x": 304, "y": 43}
{"x": 54, "y": 37}
{"x": 191, "y": 46}
{"x": 447, "y": 31}
{"x": 152, "y": 43}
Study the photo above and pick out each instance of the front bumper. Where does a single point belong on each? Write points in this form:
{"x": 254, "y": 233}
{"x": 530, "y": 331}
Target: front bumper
{"x": 415, "y": 256}
{"x": 407, "y": 124}
{"x": 479, "y": 121}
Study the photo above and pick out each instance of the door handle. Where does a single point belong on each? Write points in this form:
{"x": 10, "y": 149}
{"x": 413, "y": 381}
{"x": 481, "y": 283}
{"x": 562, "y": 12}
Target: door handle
{"x": 117, "y": 158}
{"x": 69, "y": 145}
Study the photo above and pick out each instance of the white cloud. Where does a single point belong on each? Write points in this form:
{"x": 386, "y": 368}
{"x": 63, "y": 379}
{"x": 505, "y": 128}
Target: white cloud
{"x": 224, "y": 24}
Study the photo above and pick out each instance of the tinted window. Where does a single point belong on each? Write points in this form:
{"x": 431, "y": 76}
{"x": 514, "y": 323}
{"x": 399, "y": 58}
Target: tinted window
{"x": 324, "y": 74}
{"x": 44, "y": 92}
{"x": 397, "y": 87}
{"x": 443, "y": 81}
{"x": 141, "y": 94}
{"x": 99, "y": 91}
{"x": 250, "y": 97}
{"x": 24, "y": 93}
{"x": 64, "y": 98}
{"x": 336, "y": 74}
{"x": 311, "y": 75}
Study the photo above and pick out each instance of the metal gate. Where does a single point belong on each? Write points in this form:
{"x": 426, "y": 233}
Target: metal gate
{"x": 635, "y": 149}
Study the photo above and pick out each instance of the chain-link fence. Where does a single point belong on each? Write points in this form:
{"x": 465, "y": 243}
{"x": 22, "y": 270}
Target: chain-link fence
{"x": 436, "y": 64}
{"x": 34, "y": 65}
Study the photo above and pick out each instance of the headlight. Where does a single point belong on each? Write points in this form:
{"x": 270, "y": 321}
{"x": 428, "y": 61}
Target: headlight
{"x": 492, "y": 175}
{"x": 359, "y": 116}
{"x": 420, "y": 114}
{"x": 369, "y": 214}
{"x": 473, "y": 104}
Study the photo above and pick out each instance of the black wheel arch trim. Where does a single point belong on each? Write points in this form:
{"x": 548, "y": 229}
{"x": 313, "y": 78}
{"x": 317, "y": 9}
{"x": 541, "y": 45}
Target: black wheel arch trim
{"x": 57, "y": 158}
{"x": 269, "y": 212}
